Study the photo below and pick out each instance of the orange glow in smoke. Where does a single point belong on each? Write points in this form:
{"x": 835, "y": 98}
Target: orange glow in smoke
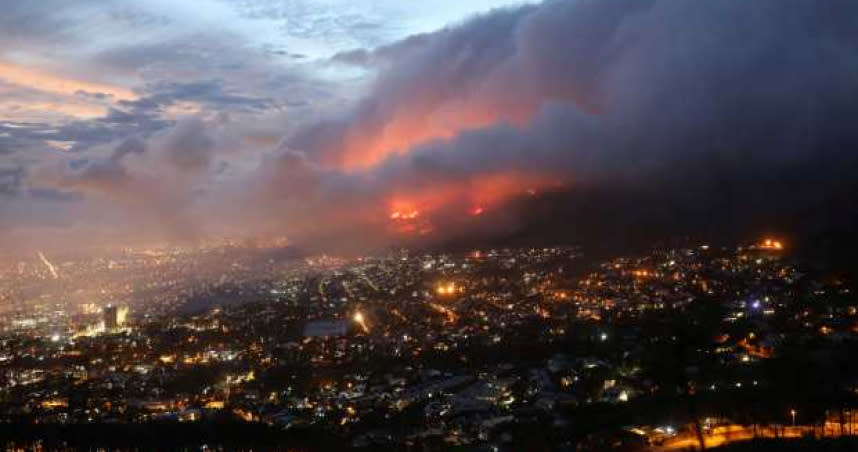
{"x": 419, "y": 210}
{"x": 406, "y": 217}
{"x": 420, "y": 121}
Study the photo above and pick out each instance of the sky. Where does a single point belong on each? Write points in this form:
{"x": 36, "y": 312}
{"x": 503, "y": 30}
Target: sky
{"x": 357, "y": 125}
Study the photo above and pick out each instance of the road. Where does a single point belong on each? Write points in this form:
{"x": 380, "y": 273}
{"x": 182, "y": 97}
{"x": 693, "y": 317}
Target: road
{"x": 726, "y": 434}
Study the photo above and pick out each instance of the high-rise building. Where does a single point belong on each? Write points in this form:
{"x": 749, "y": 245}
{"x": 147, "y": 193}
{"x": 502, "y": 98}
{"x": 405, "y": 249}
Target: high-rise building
{"x": 122, "y": 315}
{"x": 114, "y": 316}
{"x": 111, "y": 317}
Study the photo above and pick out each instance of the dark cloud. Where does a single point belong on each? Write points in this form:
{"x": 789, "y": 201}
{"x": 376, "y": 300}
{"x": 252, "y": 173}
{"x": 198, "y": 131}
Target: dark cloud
{"x": 51, "y": 194}
{"x": 15, "y": 137}
{"x": 10, "y": 181}
{"x": 208, "y": 92}
{"x": 105, "y": 174}
{"x": 189, "y": 147}
{"x": 116, "y": 125}
{"x": 186, "y": 148}
{"x": 27, "y": 23}
{"x": 142, "y": 187}
{"x": 130, "y": 146}
{"x": 382, "y": 55}
{"x": 142, "y": 117}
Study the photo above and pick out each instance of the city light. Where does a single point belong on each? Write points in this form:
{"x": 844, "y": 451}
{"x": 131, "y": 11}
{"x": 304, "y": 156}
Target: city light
{"x": 49, "y": 265}
{"x": 361, "y": 321}
{"x": 400, "y": 309}
{"x": 446, "y": 289}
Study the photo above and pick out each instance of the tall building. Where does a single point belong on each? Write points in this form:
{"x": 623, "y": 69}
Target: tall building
{"x": 122, "y": 315}
{"x": 111, "y": 317}
{"x": 114, "y": 316}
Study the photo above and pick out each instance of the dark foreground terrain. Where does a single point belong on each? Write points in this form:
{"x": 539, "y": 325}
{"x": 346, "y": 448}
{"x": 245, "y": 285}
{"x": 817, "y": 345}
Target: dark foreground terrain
{"x": 803, "y": 445}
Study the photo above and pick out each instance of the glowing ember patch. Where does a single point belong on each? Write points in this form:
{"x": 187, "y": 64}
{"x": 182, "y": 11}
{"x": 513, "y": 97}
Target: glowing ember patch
{"x": 410, "y": 215}
{"x": 770, "y": 244}
{"x": 423, "y": 211}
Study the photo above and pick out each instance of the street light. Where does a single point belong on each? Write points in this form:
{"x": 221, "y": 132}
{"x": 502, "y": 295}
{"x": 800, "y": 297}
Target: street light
{"x": 792, "y": 412}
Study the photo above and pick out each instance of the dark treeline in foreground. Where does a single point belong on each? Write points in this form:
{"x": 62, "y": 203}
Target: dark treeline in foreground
{"x": 163, "y": 437}
{"x": 803, "y": 445}
{"x": 246, "y": 437}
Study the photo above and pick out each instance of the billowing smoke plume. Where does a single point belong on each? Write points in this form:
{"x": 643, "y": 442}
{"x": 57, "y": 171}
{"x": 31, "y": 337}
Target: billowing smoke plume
{"x": 672, "y": 114}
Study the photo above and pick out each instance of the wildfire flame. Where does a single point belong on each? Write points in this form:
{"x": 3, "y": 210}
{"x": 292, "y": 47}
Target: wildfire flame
{"x": 770, "y": 244}
{"x": 407, "y": 215}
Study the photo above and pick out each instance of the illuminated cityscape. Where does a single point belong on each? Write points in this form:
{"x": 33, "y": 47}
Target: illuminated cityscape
{"x": 481, "y": 348}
